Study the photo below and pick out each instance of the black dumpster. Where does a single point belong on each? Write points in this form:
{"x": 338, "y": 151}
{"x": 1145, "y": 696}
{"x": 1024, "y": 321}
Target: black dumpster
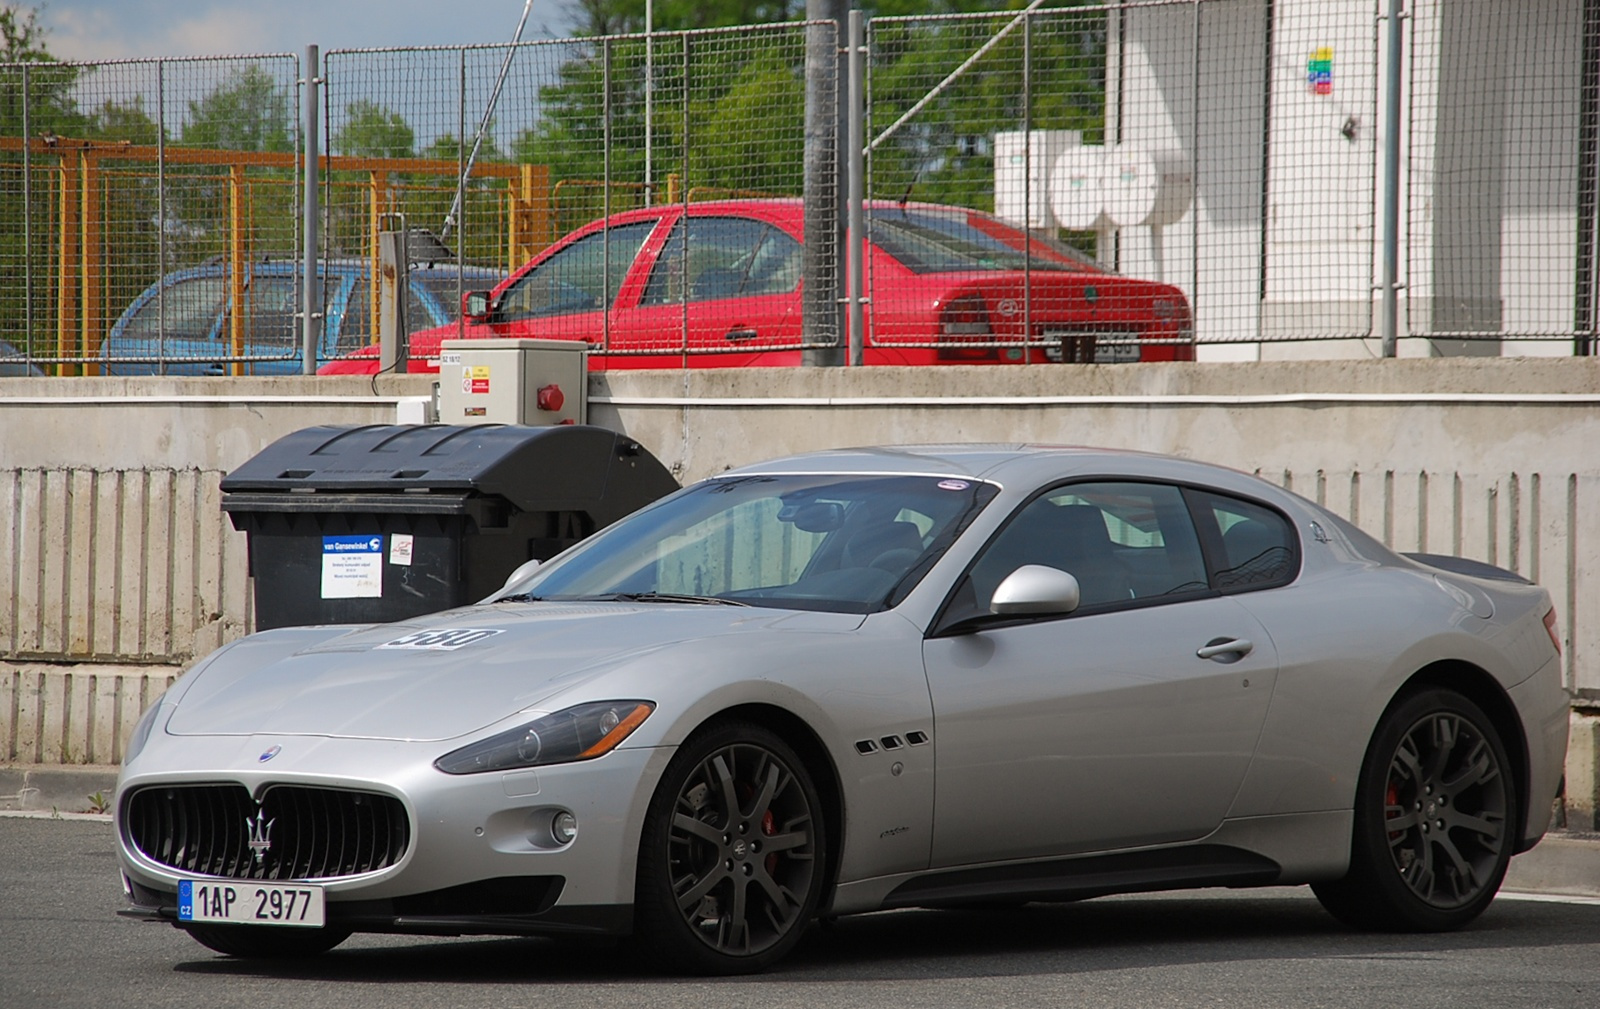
{"x": 379, "y": 523}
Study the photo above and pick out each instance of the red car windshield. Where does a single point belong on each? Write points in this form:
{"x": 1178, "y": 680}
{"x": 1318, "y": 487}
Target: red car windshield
{"x": 935, "y": 241}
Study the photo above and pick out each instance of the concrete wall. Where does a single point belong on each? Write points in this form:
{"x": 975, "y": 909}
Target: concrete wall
{"x": 115, "y": 558}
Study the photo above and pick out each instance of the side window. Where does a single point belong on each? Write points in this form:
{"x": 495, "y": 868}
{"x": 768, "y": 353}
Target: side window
{"x": 583, "y": 277}
{"x": 727, "y": 257}
{"x": 1122, "y": 541}
{"x": 1256, "y": 544}
{"x": 359, "y": 327}
{"x": 269, "y": 311}
{"x": 269, "y": 304}
{"x": 186, "y": 310}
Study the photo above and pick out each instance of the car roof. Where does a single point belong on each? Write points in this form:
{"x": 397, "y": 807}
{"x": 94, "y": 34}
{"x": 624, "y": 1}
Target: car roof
{"x": 1015, "y": 463}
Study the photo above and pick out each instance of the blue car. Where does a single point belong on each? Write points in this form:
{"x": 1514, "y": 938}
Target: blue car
{"x": 183, "y": 324}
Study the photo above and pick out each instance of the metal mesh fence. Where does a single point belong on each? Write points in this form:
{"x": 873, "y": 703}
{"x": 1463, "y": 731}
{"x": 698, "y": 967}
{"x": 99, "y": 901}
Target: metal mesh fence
{"x": 1501, "y": 175}
{"x": 1143, "y": 180}
{"x": 142, "y": 188}
{"x": 653, "y": 183}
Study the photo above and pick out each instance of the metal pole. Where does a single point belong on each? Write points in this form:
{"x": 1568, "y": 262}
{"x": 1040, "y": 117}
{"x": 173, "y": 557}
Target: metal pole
{"x": 27, "y": 219}
{"x": 855, "y": 139}
{"x": 394, "y": 286}
{"x": 938, "y": 89}
{"x": 483, "y": 125}
{"x": 311, "y": 291}
{"x": 161, "y": 216}
{"x": 1391, "y": 184}
{"x": 822, "y": 191}
{"x": 649, "y": 95}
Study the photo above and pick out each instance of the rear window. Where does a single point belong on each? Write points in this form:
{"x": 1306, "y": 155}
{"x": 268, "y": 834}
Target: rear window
{"x": 957, "y": 241}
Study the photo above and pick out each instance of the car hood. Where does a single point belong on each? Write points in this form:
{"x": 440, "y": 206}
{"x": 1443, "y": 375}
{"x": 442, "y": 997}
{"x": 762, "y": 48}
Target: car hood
{"x": 399, "y": 681}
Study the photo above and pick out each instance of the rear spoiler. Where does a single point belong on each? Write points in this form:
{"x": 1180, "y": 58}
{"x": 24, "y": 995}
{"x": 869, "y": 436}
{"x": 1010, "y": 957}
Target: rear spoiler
{"x": 1463, "y": 566}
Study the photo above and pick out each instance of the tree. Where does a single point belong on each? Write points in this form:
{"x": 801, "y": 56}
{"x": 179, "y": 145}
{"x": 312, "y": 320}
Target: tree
{"x": 248, "y": 112}
{"x": 51, "y": 107}
{"x": 372, "y": 131}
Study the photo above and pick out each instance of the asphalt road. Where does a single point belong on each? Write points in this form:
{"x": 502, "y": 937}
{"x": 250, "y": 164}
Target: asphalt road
{"x": 62, "y": 945}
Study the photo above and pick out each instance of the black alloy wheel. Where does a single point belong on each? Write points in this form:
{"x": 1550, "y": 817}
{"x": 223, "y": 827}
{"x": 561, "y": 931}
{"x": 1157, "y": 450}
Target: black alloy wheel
{"x": 732, "y": 861}
{"x": 1435, "y": 819}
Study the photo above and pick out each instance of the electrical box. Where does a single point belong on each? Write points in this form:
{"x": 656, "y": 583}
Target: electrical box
{"x": 505, "y": 381}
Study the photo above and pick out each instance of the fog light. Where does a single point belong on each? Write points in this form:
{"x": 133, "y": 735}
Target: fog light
{"x": 564, "y": 827}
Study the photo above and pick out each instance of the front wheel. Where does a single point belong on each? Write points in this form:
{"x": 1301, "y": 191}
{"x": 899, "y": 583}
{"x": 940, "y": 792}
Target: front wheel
{"x": 1434, "y": 820}
{"x": 732, "y": 855}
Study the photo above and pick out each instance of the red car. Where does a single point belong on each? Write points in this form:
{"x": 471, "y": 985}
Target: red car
{"x": 718, "y": 284}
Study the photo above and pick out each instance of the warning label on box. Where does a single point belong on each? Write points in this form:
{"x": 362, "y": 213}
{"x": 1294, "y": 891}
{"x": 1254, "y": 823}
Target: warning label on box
{"x": 475, "y": 379}
{"x": 352, "y": 567}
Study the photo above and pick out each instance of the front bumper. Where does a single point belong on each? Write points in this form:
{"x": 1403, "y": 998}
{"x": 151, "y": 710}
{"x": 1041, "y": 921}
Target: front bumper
{"x": 481, "y": 858}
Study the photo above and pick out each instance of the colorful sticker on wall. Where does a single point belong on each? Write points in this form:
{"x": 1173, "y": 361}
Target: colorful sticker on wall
{"x": 1319, "y": 71}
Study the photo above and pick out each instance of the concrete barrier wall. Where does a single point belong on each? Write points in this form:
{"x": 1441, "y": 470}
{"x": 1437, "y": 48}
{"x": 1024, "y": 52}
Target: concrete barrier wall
{"x": 115, "y": 551}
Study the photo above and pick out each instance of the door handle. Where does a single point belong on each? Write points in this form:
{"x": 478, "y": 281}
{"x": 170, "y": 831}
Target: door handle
{"x": 739, "y": 335}
{"x": 1218, "y": 648}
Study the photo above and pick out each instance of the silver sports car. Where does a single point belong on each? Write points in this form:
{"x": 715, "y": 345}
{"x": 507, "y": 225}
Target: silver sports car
{"x": 868, "y": 679}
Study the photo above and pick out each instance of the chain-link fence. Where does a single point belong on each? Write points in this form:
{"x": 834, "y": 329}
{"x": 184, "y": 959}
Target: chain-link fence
{"x": 679, "y": 159}
{"x": 1162, "y": 179}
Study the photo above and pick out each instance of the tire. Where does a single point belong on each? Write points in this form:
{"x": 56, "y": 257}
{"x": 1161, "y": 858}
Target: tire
{"x": 732, "y": 857}
{"x": 1435, "y": 820}
{"x": 256, "y": 942}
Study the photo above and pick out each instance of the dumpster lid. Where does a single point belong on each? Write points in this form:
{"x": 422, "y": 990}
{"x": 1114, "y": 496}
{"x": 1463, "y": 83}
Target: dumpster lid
{"x": 531, "y": 467}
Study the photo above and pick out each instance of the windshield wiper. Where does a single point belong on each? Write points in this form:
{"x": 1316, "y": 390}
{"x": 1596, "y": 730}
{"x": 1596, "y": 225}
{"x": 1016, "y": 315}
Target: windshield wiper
{"x": 520, "y": 597}
{"x": 668, "y": 597}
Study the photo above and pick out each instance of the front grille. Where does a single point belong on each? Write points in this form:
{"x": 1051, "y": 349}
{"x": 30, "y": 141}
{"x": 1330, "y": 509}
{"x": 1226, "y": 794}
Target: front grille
{"x": 314, "y": 833}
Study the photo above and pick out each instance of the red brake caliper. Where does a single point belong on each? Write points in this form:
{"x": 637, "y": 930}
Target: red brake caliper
{"x": 1392, "y": 798}
{"x": 769, "y": 827}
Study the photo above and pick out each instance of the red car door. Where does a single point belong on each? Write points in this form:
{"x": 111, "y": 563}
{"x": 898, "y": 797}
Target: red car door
{"x": 721, "y": 285}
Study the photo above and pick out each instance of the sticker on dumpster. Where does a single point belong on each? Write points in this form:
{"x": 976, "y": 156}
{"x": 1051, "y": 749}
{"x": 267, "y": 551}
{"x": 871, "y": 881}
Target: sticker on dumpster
{"x": 400, "y": 545}
{"x": 475, "y": 379}
{"x": 352, "y": 567}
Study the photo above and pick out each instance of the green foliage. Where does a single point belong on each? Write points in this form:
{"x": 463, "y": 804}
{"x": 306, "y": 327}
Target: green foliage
{"x": 249, "y": 112}
{"x": 945, "y": 152}
{"x": 51, "y": 107}
{"x": 373, "y": 131}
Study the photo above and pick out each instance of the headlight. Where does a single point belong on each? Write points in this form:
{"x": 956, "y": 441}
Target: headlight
{"x": 141, "y": 731}
{"x": 581, "y": 732}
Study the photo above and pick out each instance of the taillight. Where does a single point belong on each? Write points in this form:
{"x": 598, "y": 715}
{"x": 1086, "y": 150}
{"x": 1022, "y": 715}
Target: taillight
{"x": 964, "y": 322}
{"x": 1552, "y": 629}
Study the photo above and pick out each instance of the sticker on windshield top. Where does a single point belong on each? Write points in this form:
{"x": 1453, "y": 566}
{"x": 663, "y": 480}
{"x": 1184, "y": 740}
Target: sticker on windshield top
{"x": 953, "y": 485}
{"x": 441, "y": 639}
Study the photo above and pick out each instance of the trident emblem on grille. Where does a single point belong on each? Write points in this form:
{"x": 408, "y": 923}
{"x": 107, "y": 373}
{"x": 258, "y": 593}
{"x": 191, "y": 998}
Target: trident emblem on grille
{"x": 260, "y": 833}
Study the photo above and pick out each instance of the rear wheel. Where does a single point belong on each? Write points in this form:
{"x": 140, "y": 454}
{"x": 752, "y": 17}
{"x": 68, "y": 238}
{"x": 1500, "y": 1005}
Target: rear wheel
{"x": 257, "y": 942}
{"x": 1434, "y": 820}
{"x": 732, "y": 855}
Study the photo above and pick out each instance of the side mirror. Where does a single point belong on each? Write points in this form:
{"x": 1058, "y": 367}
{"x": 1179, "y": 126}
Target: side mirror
{"x": 475, "y": 306}
{"x": 1035, "y": 588}
{"x": 523, "y": 570}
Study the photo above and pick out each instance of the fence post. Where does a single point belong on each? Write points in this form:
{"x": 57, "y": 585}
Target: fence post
{"x": 311, "y": 297}
{"x": 855, "y": 140}
{"x": 394, "y": 284}
{"x": 27, "y": 218}
{"x": 1391, "y": 184}
{"x": 820, "y": 159}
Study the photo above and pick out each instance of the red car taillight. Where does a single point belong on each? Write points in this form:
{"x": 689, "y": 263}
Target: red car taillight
{"x": 1552, "y": 629}
{"x": 962, "y": 323}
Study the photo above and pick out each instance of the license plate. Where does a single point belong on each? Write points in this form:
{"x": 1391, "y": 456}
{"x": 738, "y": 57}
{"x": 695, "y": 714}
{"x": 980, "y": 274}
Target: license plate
{"x": 1116, "y": 353}
{"x": 246, "y": 903}
{"x": 1109, "y": 348}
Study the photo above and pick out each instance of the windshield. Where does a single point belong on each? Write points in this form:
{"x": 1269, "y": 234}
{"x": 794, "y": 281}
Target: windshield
{"x": 947, "y": 241}
{"x": 846, "y": 544}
